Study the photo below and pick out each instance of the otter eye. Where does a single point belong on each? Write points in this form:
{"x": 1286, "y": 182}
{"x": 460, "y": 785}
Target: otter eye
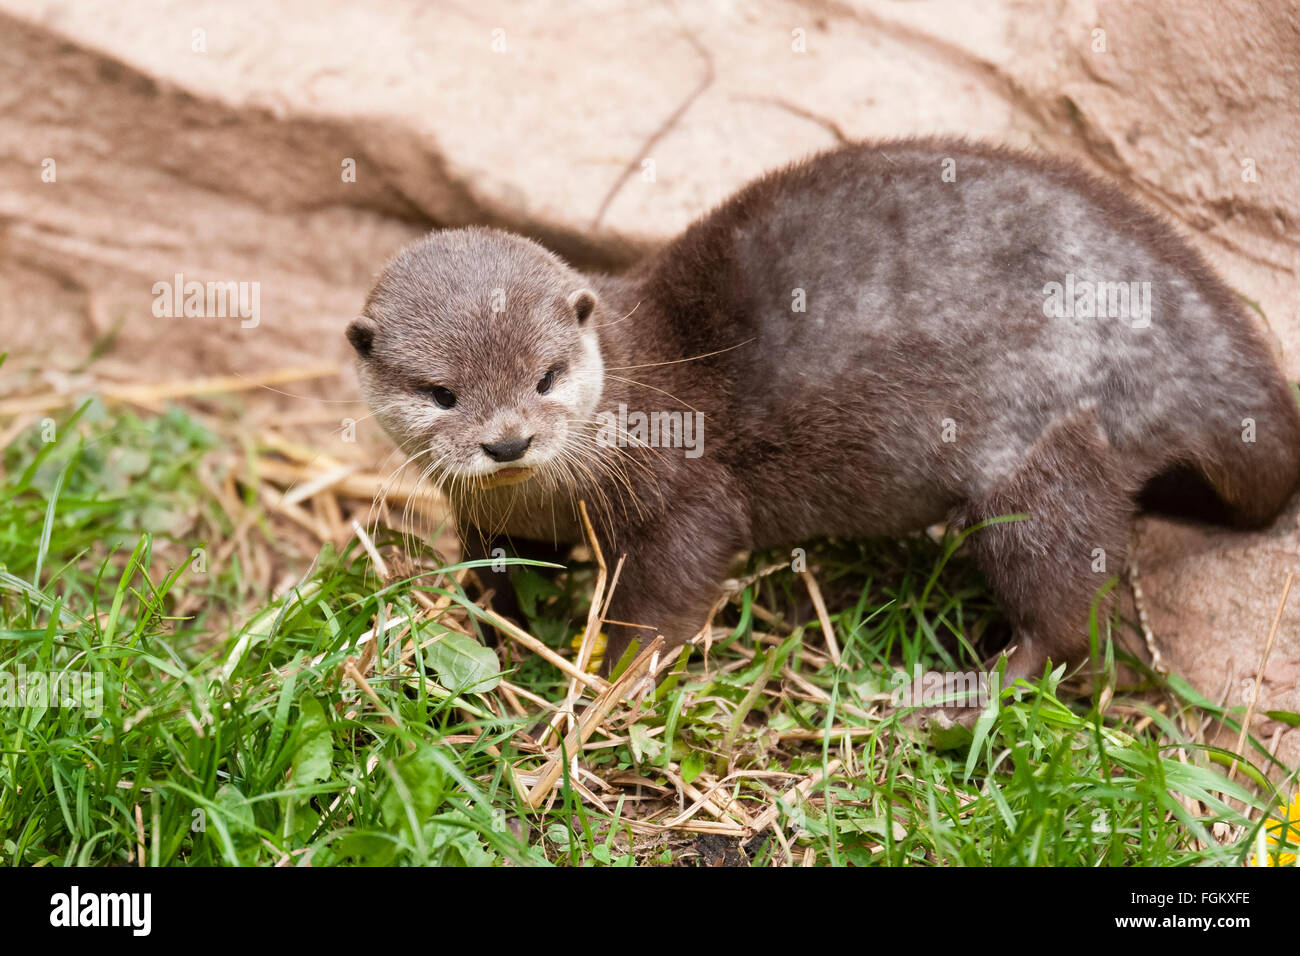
{"x": 547, "y": 382}
{"x": 442, "y": 397}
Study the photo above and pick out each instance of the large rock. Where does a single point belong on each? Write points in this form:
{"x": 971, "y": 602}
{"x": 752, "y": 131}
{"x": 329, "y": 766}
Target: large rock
{"x": 208, "y": 139}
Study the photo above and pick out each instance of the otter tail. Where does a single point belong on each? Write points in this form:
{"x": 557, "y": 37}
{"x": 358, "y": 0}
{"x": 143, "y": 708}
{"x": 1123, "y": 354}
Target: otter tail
{"x": 1256, "y": 470}
{"x": 1237, "y": 471}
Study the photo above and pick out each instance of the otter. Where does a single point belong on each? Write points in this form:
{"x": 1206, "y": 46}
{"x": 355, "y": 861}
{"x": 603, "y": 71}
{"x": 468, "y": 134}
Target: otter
{"x": 867, "y": 342}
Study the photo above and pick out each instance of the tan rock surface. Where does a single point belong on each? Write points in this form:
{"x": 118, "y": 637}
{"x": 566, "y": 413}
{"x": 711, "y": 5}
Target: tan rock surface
{"x": 225, "y": 164}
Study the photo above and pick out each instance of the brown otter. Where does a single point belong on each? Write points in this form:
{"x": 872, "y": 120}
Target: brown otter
{"x": 870, "y": 341}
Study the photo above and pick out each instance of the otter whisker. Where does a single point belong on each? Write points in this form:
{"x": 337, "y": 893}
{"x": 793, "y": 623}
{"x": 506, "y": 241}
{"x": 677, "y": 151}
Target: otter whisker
{"x": 680, "y": 361}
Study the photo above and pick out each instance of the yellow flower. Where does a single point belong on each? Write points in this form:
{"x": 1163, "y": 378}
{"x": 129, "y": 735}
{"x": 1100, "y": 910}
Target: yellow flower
{"x": 597, "y": 648}
{"x": 1284, "y": 831}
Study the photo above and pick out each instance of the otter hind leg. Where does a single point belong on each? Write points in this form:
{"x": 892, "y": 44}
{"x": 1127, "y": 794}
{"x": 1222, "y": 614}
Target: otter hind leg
{"x": 1048, "y": 568}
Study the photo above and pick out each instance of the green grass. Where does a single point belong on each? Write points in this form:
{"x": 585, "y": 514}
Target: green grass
{"x": 230, "y": 735}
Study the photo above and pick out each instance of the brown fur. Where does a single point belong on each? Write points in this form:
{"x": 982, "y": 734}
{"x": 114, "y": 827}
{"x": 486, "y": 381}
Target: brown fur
{"x": 925, "y": 306}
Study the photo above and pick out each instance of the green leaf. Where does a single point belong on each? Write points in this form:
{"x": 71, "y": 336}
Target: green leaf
{"x": 315, "y": 751}
{"x": 643, "y": 745}
{"x": 463, "y": 664}
{"x": 558, "y": 834}
{"x": 692, "y": 765}
{"x": 532, "y": 590}
{"x": 237, "y": 813}
{"x": 452, "y": 836}
{"x": 1284, "y": 717}
{"x": 366, "y": 849}
{"x": 629, "y": 655}
{"x": 418, "y": 789}
{"x": 953, "y": 737}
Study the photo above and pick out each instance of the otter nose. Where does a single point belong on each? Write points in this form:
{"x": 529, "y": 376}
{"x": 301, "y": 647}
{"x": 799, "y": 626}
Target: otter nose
{"x": 507, "y": 449}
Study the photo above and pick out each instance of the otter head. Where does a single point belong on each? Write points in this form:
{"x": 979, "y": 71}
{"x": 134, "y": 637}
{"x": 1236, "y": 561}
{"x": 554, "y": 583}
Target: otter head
{"x": 478, "y": 354}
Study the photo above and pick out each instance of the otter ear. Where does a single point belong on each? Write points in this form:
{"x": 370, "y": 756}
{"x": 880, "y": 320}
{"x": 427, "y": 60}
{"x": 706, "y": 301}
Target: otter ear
{"x": 361, "y": 333}
{"x": 582, "y": 303}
